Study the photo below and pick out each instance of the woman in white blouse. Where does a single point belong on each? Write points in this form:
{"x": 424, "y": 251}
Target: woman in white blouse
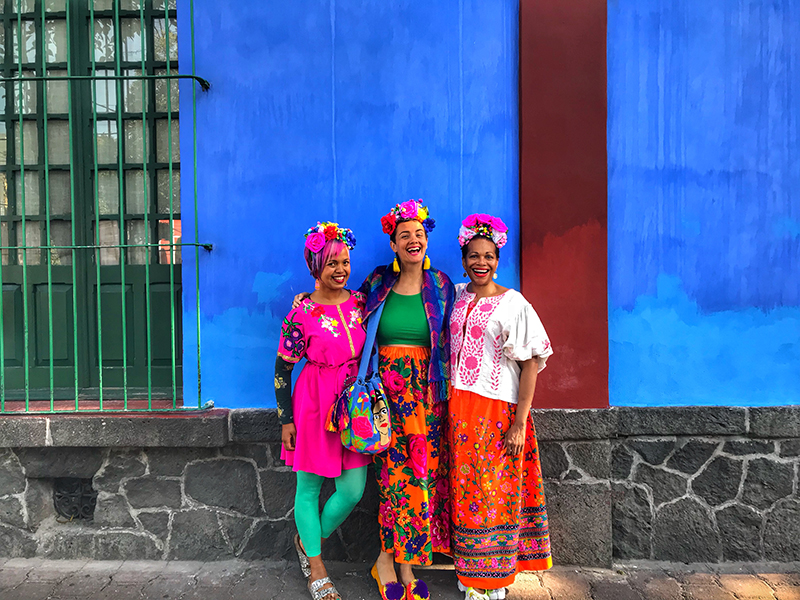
{"x": 498, "y": 346}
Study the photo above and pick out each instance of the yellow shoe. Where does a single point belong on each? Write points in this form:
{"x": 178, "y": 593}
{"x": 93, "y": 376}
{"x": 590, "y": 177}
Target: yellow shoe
{"x": 392, "y": 590}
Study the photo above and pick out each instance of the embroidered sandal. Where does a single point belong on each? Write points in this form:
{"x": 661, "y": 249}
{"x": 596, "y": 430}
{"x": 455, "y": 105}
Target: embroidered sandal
{"x": 317, "y": 593}
{"x": 392, "y": 590}
{"x": 417, "y": 590}
{"x": 302, "y": 557}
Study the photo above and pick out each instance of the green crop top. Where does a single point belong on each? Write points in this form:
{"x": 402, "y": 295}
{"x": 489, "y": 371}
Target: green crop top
{"x": 403, "y": 322}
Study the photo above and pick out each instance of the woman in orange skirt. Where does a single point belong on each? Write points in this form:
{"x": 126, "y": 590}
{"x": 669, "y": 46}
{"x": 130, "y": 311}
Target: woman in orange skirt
{"x": 498, "y": 347}
{"x": 414, "y": 353}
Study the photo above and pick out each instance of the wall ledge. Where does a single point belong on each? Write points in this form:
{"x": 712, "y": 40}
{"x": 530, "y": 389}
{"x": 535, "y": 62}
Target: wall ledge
{"x": 681, "y": 420}
{"x": 185, "y": 429}
{"x": 255, "y": 425}
{"x": 556, "y": 424}
{"x": 218, "y": 427}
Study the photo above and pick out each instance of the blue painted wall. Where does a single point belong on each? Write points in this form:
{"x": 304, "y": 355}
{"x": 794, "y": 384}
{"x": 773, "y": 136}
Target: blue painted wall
{"x": 704, "y": 202}
{"x": 333, "y": 110}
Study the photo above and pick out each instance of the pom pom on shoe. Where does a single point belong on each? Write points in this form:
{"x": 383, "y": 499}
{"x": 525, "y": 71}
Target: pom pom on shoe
{"x": 418, "y": 590}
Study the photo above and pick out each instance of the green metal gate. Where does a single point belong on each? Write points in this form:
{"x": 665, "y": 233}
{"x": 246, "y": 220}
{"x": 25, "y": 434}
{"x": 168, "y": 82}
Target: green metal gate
{"x": 90, "y": 215}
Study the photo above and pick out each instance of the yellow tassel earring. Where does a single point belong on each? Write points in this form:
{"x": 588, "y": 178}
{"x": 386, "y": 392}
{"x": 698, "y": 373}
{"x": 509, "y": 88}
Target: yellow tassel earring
{"x": 426, "y": 264}
{"x": 395, "y": 265}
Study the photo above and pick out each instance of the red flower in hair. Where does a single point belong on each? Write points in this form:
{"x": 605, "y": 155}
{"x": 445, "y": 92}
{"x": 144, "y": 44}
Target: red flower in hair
{"x": 330, "y": 232}
{"x": 388, "y": 222}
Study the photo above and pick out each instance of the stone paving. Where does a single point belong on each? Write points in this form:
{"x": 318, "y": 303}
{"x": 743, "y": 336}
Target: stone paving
{"x": 38, "y": 579}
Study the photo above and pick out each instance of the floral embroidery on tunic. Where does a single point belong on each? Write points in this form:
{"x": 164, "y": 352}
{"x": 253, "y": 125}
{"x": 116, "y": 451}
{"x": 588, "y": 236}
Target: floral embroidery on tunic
{"x": 497, "y": 363}
{"x": 292, "y": 343}
{"x": 355, "y": 318}
{"x": 467, "y": 342}
{"x": 327, "y": 323}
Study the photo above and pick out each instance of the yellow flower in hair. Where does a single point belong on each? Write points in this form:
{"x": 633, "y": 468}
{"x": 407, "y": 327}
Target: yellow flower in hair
{"x": 422, "y": 214}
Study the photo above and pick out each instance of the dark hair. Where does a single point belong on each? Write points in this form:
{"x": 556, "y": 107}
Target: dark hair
{"x": 464, "y": 248}
{"x": 393, "y": 235}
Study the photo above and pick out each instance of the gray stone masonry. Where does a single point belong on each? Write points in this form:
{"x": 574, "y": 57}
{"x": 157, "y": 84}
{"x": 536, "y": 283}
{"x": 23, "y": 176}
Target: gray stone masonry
{"x": 710, "y": 485}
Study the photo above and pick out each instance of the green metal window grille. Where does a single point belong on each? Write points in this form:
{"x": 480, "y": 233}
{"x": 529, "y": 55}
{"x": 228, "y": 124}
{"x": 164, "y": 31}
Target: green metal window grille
{"x": 90, "y": 212}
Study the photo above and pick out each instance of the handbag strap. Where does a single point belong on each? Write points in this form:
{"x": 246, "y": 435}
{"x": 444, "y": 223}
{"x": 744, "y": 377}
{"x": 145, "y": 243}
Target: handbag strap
{"x": 369, "y": 343}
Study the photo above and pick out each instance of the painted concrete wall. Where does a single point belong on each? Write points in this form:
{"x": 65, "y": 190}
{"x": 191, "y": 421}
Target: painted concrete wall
{"x": 704, "y": 202}
{"x": 334, "y": 110}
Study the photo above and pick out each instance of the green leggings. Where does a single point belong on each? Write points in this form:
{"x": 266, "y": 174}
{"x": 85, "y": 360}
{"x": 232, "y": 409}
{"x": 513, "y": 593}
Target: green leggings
{"x": 310, "y": 525}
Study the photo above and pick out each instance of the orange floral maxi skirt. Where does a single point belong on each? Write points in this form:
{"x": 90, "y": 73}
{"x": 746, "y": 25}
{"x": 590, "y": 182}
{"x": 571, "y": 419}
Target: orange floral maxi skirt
{"x": 499, "y": 512}
{"x": 413, "y": 484}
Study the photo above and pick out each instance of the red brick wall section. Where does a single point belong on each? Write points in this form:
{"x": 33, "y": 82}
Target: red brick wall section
{"x": 563, "y": 193}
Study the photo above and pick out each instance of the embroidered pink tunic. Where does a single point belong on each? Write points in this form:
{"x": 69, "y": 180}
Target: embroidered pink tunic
{"x": 499, "y": 331}
{"x": 330, "y": 338}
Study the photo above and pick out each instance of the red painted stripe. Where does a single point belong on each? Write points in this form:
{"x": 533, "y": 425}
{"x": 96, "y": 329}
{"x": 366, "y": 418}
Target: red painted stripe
{"x": 563, "y": 193}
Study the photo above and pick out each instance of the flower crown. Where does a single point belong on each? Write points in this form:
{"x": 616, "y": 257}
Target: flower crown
{"x": 411, "y": 210}
{"x": 484, "y": 225}
{"x": 321, "y": 233}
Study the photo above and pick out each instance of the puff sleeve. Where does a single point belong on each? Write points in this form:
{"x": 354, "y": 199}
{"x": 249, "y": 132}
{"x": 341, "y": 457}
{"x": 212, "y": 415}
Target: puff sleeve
{"x": 525, "y": 337}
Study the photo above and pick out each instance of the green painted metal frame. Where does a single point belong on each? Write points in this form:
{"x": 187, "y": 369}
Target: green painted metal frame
{"x": 146, "y": 15}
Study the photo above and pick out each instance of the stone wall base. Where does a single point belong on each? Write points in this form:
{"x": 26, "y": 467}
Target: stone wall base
{"x": 161, "y": 503}
{"x": 683, "y": 484}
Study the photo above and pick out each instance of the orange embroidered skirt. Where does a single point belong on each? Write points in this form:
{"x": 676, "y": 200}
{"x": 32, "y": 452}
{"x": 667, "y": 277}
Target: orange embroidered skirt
{"x": 499, "y": 512}
{"x": 413, "y": 490}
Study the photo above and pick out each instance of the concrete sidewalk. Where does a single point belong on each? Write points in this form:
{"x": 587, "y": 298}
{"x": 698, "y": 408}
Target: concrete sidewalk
{"x": 36, "y": 579}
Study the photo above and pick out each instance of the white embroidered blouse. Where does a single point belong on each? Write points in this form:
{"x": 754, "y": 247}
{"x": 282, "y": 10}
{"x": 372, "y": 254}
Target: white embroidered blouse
{"x": 499, "y": 332}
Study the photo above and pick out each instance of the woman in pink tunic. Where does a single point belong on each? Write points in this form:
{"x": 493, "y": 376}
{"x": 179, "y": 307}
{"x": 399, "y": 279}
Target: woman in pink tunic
{"x": 326, "y": 330}
{"x": 330, "y": 338}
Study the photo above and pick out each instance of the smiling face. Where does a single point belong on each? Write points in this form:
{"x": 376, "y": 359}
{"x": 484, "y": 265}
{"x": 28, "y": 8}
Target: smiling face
{"x": 336, "y": 271}
{"x": 380, "y": 412}
{"x": 410, "y": 242}
{"x": 480, "y": 261}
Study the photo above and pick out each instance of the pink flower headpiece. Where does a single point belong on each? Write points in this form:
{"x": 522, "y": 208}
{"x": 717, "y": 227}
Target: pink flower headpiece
{"x": 321, "y": 233}
{"x": 411, "y": 210}
{"x": 484, "y": 225}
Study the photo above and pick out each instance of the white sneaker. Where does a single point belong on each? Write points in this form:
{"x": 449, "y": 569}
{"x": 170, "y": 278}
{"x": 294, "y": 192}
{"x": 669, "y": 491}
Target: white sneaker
{"x": 498, "y": 594}
{"x": 473, "y": 595}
